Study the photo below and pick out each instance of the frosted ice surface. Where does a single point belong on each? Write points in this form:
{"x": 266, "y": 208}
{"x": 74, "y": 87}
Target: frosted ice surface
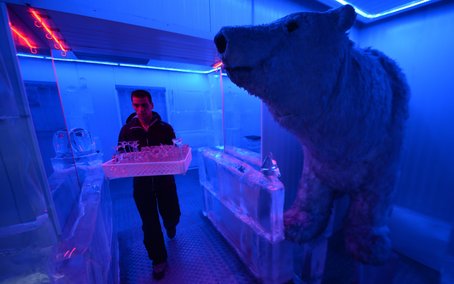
{"x": 247, "y": 207}
{"x": 84, "y": 253}
{"x": 250, "y": 195}
{"x": 250, "y": 157}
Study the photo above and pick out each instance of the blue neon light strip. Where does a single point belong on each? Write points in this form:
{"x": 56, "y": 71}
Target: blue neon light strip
{"x": 120, "y": 64}
{"x": 388, "y": 12}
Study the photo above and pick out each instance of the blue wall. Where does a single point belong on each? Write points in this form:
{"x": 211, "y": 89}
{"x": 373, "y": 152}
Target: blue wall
{"x": 422, "y": 43}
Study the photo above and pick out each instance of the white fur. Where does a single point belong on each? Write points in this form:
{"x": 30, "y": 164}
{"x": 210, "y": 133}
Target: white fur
{"x": 347, "y": 106}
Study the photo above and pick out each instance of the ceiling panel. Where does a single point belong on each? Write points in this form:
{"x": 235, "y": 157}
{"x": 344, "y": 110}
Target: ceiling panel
{"x": 376, "y": 7}
{"x": 92, "y": 38}
{"x": 371, "y": 11}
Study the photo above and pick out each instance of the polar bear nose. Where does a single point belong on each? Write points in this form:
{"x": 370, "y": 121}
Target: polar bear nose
{"x": 221, "y": 42}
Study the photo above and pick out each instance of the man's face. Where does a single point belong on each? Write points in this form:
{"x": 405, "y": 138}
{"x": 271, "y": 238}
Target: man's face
{"x": 143, "y": 107}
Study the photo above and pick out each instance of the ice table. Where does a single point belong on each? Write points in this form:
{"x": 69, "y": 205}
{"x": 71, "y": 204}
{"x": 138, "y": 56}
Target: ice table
{"x": 246, "y": 207}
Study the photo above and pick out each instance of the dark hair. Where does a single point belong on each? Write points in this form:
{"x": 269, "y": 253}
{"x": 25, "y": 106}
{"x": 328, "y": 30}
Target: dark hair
{"x": 141, "y": 94}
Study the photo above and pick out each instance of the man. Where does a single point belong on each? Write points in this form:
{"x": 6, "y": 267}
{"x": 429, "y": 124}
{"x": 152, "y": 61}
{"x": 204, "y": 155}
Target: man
{"x": 153, "y": 195}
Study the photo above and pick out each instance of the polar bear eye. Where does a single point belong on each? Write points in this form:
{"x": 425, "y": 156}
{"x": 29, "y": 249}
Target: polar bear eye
{"x": 291, "y": 26}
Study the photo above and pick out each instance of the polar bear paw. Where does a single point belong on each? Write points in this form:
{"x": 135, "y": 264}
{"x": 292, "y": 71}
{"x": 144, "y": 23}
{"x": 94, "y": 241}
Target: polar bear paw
{"x": 368, "y": 245}
{"x": 301, "y": 227}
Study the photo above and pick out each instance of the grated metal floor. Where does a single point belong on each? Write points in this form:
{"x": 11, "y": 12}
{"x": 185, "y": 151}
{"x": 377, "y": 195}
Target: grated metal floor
{"x": 198, "y": 254}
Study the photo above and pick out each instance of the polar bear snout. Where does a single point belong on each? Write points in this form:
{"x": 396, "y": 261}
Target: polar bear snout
{"x": 221, "y": 42}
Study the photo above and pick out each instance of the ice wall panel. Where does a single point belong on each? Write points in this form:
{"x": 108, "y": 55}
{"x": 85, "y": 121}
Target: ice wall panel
{"x": 242, "y": 118}
{"x": 190, "y": 100}
{"x": 286, "y": 150}
{"x": 44, "y": 105}
{"x": 191, "y": 120}
{"x": 47, "y": 116}
{"x": 22, "y": 166}
{"x": 65, "y": 189}
{"x": 9, "y": 215}
{"x": 90, "y": 102}
{"x": 86, "y": 253}
{"x": 28, "y": 224}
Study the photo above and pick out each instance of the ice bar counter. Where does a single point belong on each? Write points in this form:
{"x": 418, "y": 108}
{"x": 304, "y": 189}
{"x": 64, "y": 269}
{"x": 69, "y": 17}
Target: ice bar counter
{"x": 246, "y": 207}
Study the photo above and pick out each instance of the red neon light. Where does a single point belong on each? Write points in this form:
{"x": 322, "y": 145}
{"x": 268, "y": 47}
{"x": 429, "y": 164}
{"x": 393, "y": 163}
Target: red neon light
{"x": 50, "y": 34}
{"x": 218, "y": 64}
{"x": 71, "y": 253}
{"x": 24, "y": 39}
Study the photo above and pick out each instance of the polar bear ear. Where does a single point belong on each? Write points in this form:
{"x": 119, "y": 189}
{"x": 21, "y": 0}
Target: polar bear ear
{"x": 345, "y": 17}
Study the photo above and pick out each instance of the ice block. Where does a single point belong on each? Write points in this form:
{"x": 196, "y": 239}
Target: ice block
{"x": 246, "y": 207}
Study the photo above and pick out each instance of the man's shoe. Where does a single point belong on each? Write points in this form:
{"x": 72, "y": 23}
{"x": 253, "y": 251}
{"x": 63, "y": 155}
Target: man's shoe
{"x": 171, "y": 232}
{"x": 159, "y": 270}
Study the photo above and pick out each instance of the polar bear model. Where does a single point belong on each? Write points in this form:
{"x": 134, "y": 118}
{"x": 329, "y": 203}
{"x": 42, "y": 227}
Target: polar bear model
{"x": 347, "y": 106}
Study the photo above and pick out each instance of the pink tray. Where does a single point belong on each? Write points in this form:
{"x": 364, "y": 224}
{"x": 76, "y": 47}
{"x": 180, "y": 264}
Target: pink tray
{"x": 120, "y": 170}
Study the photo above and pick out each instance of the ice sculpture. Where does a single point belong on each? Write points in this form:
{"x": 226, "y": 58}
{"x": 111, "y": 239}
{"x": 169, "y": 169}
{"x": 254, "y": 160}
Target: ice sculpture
{"x": 77, "y": 146}
{"x": 60, "y": 142}
{"x": 247, "y": 209}
{"x": 81, "y": 142}
{"x": 74, "y": 148}
{"x": 347, "y": 106}
{"x": 78, "y": 139}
